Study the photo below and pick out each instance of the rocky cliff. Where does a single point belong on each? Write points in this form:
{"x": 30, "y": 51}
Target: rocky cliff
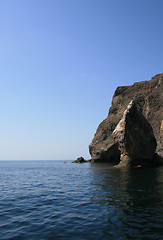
{"x": 148, "y": 96}
{"x": 135, "y": 138}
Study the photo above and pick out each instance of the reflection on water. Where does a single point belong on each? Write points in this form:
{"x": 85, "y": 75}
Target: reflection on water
{"x": 133, "y": 199}
{"x": 49, "y": 200}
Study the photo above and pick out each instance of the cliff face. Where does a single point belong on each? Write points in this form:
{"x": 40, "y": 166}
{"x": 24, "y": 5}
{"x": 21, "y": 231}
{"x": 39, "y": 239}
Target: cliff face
{"x": 148, "y": 96}
{"x": 135, "y": 139}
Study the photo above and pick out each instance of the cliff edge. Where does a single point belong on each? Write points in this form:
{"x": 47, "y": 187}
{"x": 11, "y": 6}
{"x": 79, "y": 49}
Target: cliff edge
{"x": 148, "y": 96}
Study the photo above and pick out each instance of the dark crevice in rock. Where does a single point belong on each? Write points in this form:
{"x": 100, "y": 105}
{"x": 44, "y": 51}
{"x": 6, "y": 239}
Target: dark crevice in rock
{"x": 112, "y": 155}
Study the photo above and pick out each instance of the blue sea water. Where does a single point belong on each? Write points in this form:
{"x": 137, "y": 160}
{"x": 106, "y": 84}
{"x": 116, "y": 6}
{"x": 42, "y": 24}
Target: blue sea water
{"x": 47, "y": 200}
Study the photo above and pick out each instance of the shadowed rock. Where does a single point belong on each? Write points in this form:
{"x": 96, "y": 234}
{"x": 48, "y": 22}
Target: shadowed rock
{"x": 161, "y": 139}
{"x": 148, "y": 95}
{"x": 135, "y": 138}
{"x": 79, "y": 160}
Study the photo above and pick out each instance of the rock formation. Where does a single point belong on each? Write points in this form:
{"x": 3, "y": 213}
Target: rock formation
{"x": 161, "y": 140}
{"x": 135, "y": 138}
{"x": 79, "y": 160}
{"x": 148, "y": 96}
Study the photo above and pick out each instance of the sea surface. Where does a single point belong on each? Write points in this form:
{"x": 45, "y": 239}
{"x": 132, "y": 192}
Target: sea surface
{"x": 47, "y": 200}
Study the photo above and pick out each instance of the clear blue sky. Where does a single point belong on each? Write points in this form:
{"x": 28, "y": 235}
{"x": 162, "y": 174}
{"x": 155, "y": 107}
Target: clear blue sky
{"x": 60, "y": 63}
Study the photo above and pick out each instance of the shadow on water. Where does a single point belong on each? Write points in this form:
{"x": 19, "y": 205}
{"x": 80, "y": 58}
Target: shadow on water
{"x": 133, "y": 199}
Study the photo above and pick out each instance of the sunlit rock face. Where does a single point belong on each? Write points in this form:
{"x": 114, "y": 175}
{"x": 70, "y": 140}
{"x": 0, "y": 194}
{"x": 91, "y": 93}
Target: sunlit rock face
{"x": 135, "y": 138}
{"x": 161, "y": 139}
{"x": 148, "y": 96}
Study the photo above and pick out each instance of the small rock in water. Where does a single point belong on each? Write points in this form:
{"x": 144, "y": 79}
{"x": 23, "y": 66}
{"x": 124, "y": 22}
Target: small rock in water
{"x": 79, "y": 160}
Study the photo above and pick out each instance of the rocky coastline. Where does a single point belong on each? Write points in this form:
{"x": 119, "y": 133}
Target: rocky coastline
{"x": 132, "y": 133}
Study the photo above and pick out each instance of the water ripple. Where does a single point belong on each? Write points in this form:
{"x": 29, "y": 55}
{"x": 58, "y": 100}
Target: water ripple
{"x": 49, "y": 200}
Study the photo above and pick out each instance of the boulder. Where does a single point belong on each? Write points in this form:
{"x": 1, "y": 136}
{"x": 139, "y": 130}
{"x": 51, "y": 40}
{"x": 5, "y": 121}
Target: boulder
{"x": 135, "y": 138}
{"x": 148, "y": 96}
{"x": 79, "y": 160}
